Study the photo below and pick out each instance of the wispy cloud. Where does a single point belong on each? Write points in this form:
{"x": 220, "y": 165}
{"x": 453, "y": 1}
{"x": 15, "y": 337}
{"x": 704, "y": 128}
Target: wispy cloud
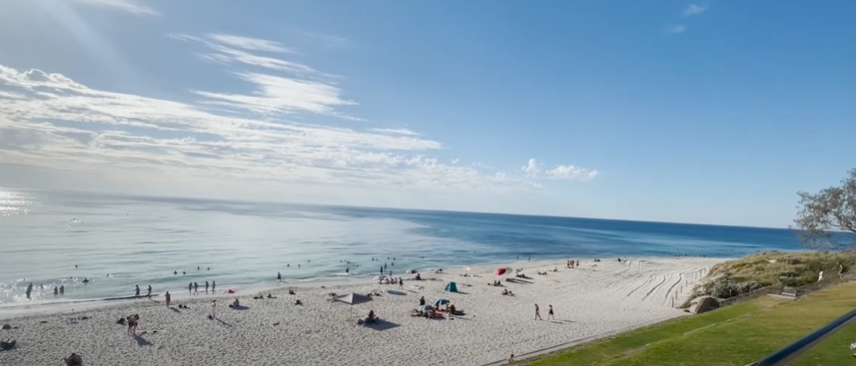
{"x": 677, "y": 29}
{"x": 280, "y": 94}
{"x": 694, "y": 9}
{"x": 129, "y": 6}
{"x": 62, "y": 124}
{"x": 325, "y": 40}
{"x": 49, "y": 120}
{"x": 248, "y": 43}
{"x": 534, "y": 168}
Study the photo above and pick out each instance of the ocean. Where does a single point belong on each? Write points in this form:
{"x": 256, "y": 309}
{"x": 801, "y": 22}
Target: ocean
{"x": 118, "y": 242}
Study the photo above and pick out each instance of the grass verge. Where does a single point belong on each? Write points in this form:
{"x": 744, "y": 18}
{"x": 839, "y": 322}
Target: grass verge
{"x": 735, "y": 335}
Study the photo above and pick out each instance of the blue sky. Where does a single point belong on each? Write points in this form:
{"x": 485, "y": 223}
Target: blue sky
{"x": 712, "y": 112}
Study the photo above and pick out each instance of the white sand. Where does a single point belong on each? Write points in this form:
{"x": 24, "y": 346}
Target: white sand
{"x": 590, "y": 302}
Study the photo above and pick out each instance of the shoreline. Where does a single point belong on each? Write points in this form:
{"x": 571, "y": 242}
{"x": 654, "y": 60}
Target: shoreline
{"x": 73, "y": 305}
{"x": 591, "y": 302}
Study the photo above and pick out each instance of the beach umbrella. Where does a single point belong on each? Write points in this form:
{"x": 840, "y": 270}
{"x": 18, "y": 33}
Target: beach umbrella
{"x": 442, "y": 301}
{"x": 411, "y": 271}
{"x": 500, "y": 272}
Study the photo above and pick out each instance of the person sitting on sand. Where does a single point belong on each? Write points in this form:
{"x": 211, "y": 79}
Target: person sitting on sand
{"x": 290, "y": 292}
{"x": 372, "y": 318}
{"x": 298, "y": 302}
{"x": 451, "y": 309}
{"x": 271, "y": 296}
{"x": 235, "y": 304}
{"x": 422, "y": 301}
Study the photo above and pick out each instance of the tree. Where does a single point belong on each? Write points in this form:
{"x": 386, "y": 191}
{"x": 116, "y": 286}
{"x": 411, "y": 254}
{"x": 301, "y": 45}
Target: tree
{"x": 827, "y": 220}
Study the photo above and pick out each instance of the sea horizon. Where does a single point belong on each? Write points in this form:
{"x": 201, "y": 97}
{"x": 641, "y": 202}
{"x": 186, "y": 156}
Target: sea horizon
{"x": 149, "y": 240}
{"x": 388, "y": 208}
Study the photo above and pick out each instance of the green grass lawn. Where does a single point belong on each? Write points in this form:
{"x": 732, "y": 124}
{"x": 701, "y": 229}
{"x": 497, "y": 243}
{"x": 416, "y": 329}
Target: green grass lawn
{"x": 735, "y": 335}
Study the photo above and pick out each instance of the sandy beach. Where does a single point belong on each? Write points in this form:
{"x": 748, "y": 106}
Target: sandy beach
{"x": 591, "y": 301}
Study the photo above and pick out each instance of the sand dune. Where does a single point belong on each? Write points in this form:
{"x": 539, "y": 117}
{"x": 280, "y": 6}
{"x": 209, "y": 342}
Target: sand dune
{"x": 592, "y": 301}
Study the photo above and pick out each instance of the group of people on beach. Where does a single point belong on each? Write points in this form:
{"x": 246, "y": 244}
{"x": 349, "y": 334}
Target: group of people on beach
{"x": 193, "y": 287}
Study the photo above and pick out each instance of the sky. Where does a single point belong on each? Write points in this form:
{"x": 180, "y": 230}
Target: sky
{"x": 712, "y": 112}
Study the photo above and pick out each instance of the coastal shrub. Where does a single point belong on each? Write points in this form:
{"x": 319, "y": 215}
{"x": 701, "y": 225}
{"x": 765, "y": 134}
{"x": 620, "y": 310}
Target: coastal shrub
{"x": 739, "y": 276}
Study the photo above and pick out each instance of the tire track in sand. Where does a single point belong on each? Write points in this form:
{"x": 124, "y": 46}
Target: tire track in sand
{"x": 655, "y": 287}
{"x": 650, "y": 278}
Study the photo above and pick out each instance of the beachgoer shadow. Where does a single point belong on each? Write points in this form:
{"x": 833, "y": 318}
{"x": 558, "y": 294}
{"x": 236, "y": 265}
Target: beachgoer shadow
{"x": 461, "y": 293}
{"x": 239, "y": 307}
{"x": 394, "y": 292}
{"x": 141, "y": 341}
{"x": 175, "y": 310}
{"x": 222, "y": 322}
{"x": 382, "y": 325}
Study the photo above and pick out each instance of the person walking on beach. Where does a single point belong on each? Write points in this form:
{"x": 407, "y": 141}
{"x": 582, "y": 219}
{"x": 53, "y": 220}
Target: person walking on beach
{"x": 537, "y": 313}
{"x": 400, "y": 283}
{"x": 137, "y": 291}
{"x": 196, "y": 288}
{"x": 190, "y": 288}
{"x": 149, "y": 295}
{"x": 213, "y": 285}
{"x": 168, "y": 298}
{"x": 550, "y": 313}
{"x": 213, "y": 309}
{"x": 206, "y": 287}
{"x": 279, "y": 277}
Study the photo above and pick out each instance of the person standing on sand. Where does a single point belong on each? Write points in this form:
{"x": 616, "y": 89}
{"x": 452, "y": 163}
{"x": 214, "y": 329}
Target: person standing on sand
{"x": 168, "y": 298}
{"x": 550, "y": 313}
{"x": 214, "y": 309}
{"x": 190, "y": 288}
{"x": 137, "y": 291}
{"x": 537, "y": 313}
{"x": 400, "y": 283}
{"x": 213, "y": 285}
{"x": 206, "y": 287}
{"x": 196, "y": 288}
{"x": 149, "y": 295}
{"x": 279, "y": 277}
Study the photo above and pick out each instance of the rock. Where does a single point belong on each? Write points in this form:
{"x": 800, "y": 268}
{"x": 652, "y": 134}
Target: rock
{"x": 706, "y": 304}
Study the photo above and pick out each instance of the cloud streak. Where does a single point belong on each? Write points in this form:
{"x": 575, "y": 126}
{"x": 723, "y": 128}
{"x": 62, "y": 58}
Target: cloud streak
{"x": 129, "y": 6}
{"x": 534, "y": 168}
{"x": 694, "y": 9}
{"x": 678, "y": 29}
{"x": 48, "y": 120}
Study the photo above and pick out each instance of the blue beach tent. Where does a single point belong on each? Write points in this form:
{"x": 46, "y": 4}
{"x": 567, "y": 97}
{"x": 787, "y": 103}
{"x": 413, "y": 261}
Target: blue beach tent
{"x": 452, "y": 287}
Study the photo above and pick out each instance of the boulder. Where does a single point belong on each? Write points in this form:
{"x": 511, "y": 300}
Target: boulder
{"x": 705, "y": 304}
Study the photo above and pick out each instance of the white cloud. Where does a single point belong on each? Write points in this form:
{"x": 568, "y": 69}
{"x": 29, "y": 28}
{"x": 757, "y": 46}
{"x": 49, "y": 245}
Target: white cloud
{"x": 62, "y": 124}
{"x": 248, "y": 43}
{"x": 694, "y": 9}
{"x": 395, "y": 131}
{"x": 532, "y": 167}
{"x": 280, "y": 94}
{"x": 129, "y": 6}
{"x": 678, "y": 29}
{"x": 568, "y": 172}
{"x": 571, "y": 172}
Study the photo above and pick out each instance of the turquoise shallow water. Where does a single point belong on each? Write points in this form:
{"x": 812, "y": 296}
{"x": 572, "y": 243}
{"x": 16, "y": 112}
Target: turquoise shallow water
{"x": 143, "y": 240}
